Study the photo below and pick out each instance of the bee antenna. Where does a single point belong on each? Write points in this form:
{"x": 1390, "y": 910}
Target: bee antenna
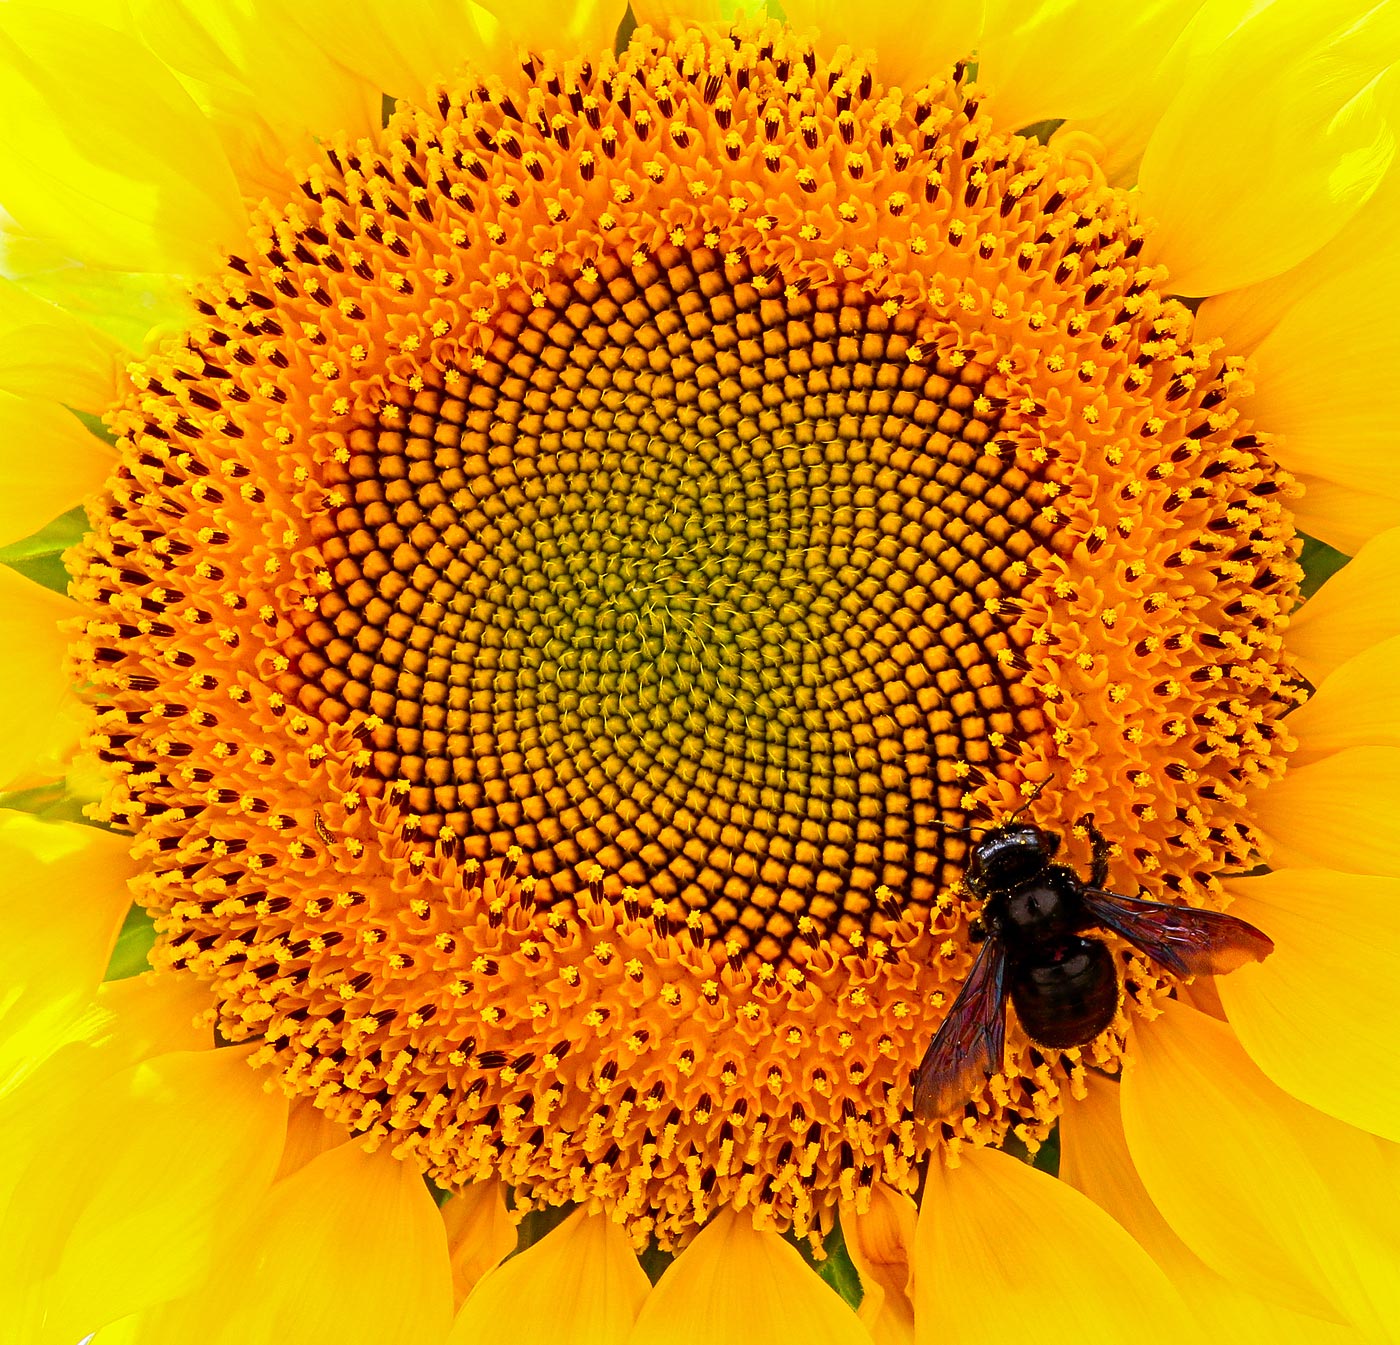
{"x": 955, "y": 831}
{"x": 1031, "y": 797}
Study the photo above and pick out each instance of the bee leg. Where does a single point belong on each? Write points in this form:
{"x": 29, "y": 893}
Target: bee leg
{"x": 1098, "y": 875}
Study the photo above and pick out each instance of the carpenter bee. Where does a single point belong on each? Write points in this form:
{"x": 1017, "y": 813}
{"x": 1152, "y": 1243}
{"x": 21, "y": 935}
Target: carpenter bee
{"x": 1032, "y": 926}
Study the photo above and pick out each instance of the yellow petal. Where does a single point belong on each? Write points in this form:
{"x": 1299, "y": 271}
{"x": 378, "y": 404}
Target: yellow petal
{"x": 997, "y": 1242}
{"x": 1297, "y": 1208}
{"x": 57, "y": 1055}
{"x": 881, "y": 1247}
{"x": 668, "y": 15}
{"x": 35, "y": 733}
{"x": 1353, "y": 610}
{"x": 1317, "y": 1016}
{"x": 579, "y": 1285}
{"x": 48, "y": 464}
{"x": 1341, "y": 812}
{"x": 394, "y": 47}
{"x": 1341, "y": 516}
{"x": 139, "y": 1195}
{"x": 1094, "y": 1159}
{"x": 912, "y": 40}
{"x": 45, "y": 352}
{"x": 104, "y": 153}
{"x": 1275, "y": 140}
{"x": 1123, "y": 130}
{"x": 93, "y": 1037}
{"x": 52, "y": 1062}
{"x": 562, "y": 26}
{"x": 1337, "y": 414}
{"x": 134, "y": 310}
{"x": 1357, "y": 705}
{"x": 1037, "y": 61}
{"x": 269, "y": 102}
{"x": 63, "y": 897}
{"x": 310, "y": 1133}
{"x": 480, "y": 1234}
{"x": 349, "y": 1248}
{"x": 1244, "y": 317}
{"x": 738, "y": 1285}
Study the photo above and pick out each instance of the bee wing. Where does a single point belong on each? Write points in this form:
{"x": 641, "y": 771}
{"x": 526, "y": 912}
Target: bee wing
{"x": 1185, "y": 940}
{"x": 971, "y": 1040}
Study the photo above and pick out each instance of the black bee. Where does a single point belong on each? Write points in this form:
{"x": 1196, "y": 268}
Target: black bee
{"x": 1064, "y": 986}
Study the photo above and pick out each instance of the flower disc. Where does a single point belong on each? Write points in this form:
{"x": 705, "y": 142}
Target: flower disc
{"x": 559, "y": 603}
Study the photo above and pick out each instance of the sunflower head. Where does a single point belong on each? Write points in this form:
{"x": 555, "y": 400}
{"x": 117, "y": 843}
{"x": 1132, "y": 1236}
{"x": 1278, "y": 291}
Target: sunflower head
{"x": 602, "y": 548}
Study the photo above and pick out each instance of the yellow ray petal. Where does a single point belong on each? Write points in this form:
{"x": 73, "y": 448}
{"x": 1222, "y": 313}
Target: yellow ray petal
{"x": 35, "y": 734}
{"x": 45, "y": 352}
{"x": 913, "y": 40}
{"x": 310, "y": 1133}
{"x": 1341, "y": 812}
{"x": 1353, "y": 610}
{"x": 1317, "y": 1015}
{"x": 135, "y": 310}
{"x": 48, "y": 464}
{"x": 579, "y": 1285}
{"x": 394, "y": 47}
{"x": 881, "y": 1246}
{"x": 1336, "y": 415}
{"x": 1275, "y": 140}
{"x": 1295, "y": 1207}
{"x": 59, "y": 1056}
{"x": 1123, "y": 130}
{"x": 64, "y": 1050}
{"x": 121, "y": 172}
{"x": 1357, "y": 705}
{"x": 739, "y": 1285}
{"x": 480, "y": 1234}
{"x": 63, "y": 897}
{"x": 1058, "y": 60}
{"x": 268, "y": 102}
{"x": 997, "y": 1241}
{"x": 561, "y": 26}
{"x": 1342, "y": 517}
{"x": 1094, "y": 1159}
{"x": 667, "y": 15}
{"x": 1244, "y": 317}
{"x": 349, "y": 1248}
{"x": 139, "y": 1195}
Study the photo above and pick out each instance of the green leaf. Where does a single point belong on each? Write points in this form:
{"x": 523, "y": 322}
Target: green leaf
{"x": 1046, "y": 1158}
{"x": 1042, "y": 130}
{"x": 131, "y": 955}
{"x": 40, "y": 556}
{"x": 837, "y": 1268}
{"x": 52, "y": 803}
{"x": 625, "y": 28}
{"x": 536, "y": 1223}
{"x": 654, "y": 1261}
{"x": 94, "y": 426}
{"x": 1320, "y": 562}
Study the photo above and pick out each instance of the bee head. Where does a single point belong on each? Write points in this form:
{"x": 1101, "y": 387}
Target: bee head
{"x": 1009, "y": 857}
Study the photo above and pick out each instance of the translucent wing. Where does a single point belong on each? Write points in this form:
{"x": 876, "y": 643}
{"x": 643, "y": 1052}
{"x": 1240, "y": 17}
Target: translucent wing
{"x": 970, "y": 1041}
{"x": 1183, "y": 939}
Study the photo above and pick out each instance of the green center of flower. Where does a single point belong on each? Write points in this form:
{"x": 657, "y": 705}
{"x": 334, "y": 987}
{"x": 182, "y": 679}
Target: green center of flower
{"x": 685, "y": 586}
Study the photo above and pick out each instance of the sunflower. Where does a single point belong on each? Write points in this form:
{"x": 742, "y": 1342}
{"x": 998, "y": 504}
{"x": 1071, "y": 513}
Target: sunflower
{"x": 536, "y": 540}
